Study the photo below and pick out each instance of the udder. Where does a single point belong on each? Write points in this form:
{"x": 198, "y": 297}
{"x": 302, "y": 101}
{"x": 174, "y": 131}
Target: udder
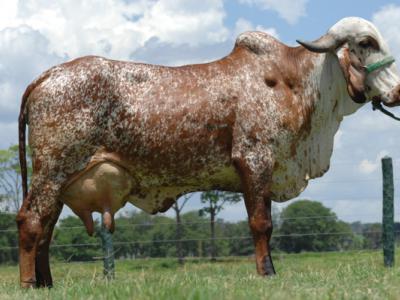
{"x": 104, "y": 188}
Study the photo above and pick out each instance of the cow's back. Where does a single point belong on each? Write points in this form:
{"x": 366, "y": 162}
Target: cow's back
{"x": 169, "y": 127}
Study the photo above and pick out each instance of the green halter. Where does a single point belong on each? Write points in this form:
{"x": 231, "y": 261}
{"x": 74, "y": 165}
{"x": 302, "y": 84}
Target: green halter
{"x": 377, "y": 65}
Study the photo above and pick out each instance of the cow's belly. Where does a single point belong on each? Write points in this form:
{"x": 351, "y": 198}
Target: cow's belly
{"x": 153, "y": 194}
{"x": 107, "y": 184}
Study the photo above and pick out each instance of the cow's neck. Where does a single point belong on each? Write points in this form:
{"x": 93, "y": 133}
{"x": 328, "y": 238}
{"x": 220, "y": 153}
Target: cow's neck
{"x": 325, "y": 91}
{"x": 324, "y": 94}
{"x": 333, "y": 104}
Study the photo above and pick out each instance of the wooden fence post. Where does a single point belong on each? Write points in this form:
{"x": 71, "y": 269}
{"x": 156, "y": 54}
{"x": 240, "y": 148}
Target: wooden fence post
{"x": 108, "y": 252}
{"x": 388, "y": 215}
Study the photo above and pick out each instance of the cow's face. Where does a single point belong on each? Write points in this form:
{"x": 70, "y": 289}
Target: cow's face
{"x": 365, "y": 60}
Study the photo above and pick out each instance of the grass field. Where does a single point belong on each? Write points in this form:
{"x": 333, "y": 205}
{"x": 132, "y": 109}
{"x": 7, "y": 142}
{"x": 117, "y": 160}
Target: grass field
{"x": 355, "y": 275}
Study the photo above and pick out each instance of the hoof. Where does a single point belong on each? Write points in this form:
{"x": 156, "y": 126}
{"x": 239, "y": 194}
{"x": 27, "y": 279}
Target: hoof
{"x": 28, "y": 284}
{"x": 44, "y": 285}
{"x": 269, "y": 267}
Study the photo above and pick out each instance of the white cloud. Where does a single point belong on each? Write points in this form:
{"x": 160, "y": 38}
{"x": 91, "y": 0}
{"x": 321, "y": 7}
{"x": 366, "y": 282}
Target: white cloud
{"x": 185, "y": 22}
{"x": 117, "y": 28}
{"x": 26, "y": 55}
{"x": 368, "y": 167}
{"x": 8, "y": 12}
{"x": 290, "y": 11}
{"x": 243, "y": 25}
{"x": 387, "y": 20}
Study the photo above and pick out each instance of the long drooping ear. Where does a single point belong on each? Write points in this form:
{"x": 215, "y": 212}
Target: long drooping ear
{"x": 354, "y": 73}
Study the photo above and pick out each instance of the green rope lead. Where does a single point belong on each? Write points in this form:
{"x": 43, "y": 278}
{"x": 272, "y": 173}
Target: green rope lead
{"x": 375, "y": 66}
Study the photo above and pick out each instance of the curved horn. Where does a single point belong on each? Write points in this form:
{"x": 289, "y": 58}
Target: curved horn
{"x": 325, "y": 43}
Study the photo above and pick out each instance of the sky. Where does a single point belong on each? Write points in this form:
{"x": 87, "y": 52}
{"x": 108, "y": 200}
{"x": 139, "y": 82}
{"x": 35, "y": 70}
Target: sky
{"x": 37, "y": 34}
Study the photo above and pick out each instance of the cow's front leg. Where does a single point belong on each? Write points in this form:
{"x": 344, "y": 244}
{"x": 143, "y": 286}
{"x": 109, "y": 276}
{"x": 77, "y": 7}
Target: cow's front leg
{"x": 258, "y": 205}
{"x": 259, "y": 213}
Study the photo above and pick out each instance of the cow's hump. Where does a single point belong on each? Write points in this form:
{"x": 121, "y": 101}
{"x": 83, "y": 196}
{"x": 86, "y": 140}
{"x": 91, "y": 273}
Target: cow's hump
{"x": 257, "y": 42}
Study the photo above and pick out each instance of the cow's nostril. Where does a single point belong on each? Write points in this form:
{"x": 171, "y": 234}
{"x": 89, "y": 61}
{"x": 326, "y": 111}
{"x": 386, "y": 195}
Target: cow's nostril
{"x": 396, "y": 92}
{"x": 395, "y": 96}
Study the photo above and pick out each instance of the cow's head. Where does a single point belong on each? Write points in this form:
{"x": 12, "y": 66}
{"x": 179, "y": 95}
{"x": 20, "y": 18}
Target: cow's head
{"x": 365, "y": 60}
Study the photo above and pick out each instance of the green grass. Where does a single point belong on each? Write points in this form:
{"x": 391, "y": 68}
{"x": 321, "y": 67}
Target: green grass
{"x": 355, "y": 275}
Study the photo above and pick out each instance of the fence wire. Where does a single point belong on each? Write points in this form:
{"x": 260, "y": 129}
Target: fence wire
{"x": 173, "y": 223}
{"x": 344, "y": 233}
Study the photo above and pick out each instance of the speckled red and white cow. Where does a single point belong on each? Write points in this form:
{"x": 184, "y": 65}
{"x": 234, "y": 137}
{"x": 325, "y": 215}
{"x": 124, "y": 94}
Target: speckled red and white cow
{"x": 260, "y": 121}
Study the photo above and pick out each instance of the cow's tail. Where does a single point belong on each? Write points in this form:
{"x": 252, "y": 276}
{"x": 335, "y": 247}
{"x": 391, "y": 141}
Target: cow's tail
{"x": 22, "y": 141}
{"x": 22, "y": 121}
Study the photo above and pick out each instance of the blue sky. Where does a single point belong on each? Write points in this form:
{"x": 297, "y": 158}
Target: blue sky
{"x": 36, "y": 34}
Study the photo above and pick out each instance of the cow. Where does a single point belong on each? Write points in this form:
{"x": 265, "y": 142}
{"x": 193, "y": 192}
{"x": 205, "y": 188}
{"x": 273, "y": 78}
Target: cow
{"x": 259, "y": 121}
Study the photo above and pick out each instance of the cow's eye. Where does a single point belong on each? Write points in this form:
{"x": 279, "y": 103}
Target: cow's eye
{"x": 365, "y": 44}
{"x": 369, "y": 42}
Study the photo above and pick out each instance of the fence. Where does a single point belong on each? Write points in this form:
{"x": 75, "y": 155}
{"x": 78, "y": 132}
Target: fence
{"x": 198, "y": 244}
{"x": 152, "y": 242}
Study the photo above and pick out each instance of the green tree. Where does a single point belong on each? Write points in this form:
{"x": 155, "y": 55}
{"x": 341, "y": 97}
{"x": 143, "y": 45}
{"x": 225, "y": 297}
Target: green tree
{"x": 71, "y": 242}
{"x": 178, "y": 207}
{"x": 10, "y": 178}
{"x": 195, "y": 233}
{"x": 131, "y": 233}
{"x": 310, "y": 226}
{"x": 215, "y": 201}
{"x": 240, "y": 242}
{"x": 139, "y": 234}
{"x": 161, "y": 234}
{"x": 372, "y": 233}
{"x": 127, "y": 235}
{"x": 8, "y": 238}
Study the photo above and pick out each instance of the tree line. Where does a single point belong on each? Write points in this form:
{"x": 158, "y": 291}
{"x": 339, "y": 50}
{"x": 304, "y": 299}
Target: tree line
{"x": 302, "y": 226}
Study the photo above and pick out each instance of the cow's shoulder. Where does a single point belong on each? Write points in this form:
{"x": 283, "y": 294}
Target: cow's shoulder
{"x": 257, "y": 42}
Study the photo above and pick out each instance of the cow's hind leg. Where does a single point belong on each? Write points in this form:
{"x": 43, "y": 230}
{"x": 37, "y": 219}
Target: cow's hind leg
{"x": 42, "y": 264}
{"x": 36, "y": 220}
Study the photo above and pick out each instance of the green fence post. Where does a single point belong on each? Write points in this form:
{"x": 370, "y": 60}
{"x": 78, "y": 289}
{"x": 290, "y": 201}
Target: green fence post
{"x": 108, "y": 252}
{"x": 388, "y": 215}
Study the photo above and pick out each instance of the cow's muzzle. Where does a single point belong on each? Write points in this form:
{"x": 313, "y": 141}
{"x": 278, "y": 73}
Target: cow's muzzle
{"x": 393, "y": 98}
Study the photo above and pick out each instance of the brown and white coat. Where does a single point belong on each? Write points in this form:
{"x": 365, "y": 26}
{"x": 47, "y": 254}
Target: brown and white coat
{"x": 260, "y": 121}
